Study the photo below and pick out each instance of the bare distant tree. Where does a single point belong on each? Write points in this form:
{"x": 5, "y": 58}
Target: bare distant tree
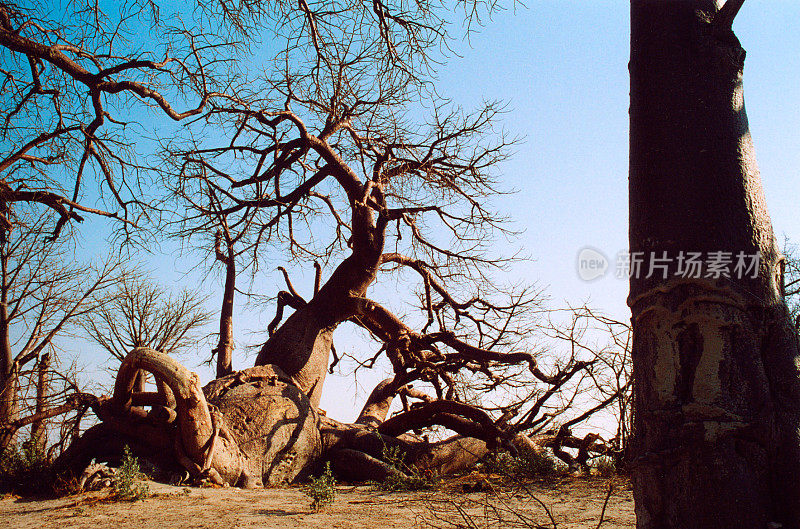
{"x": 140, "y": 313}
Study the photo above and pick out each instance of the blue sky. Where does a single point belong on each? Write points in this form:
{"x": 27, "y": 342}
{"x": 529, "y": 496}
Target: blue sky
{"x": 562, "y": 69}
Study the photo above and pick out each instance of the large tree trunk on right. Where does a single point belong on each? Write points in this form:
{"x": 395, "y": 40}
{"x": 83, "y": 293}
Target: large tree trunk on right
{"x": 717, "y": 393}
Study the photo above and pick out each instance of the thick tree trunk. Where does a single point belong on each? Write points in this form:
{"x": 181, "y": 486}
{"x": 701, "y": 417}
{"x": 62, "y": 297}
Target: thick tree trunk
{"x": 8, "y": 407}
{"x": 301, "y": 346}
{"x": 202, "y": 444}
{"x": 8, "y": 372}
{"x": 716, "y": 385}
{"x": 378, "y": 403}
{"x": 256, "y": 426}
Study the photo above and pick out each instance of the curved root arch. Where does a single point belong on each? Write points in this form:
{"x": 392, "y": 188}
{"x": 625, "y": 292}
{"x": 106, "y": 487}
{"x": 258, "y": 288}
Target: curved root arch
{"x": 178, "y": 384}
{"x": 179, "y": 412}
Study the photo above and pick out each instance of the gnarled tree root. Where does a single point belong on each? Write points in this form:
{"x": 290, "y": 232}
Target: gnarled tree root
{"x": 257, "y": 428}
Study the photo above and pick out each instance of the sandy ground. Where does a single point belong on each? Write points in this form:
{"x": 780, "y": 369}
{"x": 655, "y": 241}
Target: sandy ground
{"x": 571, "y": 502}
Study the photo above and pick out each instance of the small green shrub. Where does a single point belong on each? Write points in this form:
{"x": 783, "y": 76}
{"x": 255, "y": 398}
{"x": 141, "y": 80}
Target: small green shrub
{"x": 605, "y": 467}
{"x": 500, "y": 463}
{"x": 127, "y": 482}
{"x": 321, "y": 490}
{"x": 407, "y": 477}
{"x": 532, "y": 464}
{"x": 523, "y": 466}
{"x": 25, "y": 470}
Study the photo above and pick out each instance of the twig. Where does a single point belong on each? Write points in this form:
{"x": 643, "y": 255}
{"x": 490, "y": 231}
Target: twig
{"x": 605, "y": 504}
{"x": 544, "y": 506}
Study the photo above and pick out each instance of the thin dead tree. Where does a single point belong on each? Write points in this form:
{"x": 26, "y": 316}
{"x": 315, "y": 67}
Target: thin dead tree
{"x": 51, "y": 405}
{"x": 41, "y": 298}
{"x": 226, "y": 238}
{"x": 140, "y": 313}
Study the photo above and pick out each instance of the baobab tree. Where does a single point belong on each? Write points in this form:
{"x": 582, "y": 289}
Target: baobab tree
{"x": 717, "y": 391}
{"x": 331, "y": 158}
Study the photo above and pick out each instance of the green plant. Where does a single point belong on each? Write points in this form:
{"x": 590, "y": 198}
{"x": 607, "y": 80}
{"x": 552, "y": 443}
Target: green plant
{"x": 321, "y": 490}
{"x": 523, "y": 466}
{"x": 605, "y": 467}
{"x": 540, "y": 463}
{"x": 406, "y": 477}
{"x": 127, "y": 482}
{"x": 25, "y": 470}
{"x": 501, "y": 463}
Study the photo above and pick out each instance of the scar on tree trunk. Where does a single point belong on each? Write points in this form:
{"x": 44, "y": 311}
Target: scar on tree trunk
{"x": 717, "y": 392}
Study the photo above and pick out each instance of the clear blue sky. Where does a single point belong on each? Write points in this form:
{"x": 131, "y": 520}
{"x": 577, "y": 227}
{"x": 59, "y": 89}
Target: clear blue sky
{"x": 562, "y": 68}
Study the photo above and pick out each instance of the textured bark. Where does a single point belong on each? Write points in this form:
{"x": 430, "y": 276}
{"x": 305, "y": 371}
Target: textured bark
{"x": 354, "y": 465}
{"x": 8, "y": 406}
{"x": 101, "y": 442}
{"x": 344, "y": 445}
{"x": 8, "y": 370}
{"x": 256, "y": 427}
{"x": 716, "y": 384}
{"x": 194, "y": 417}
{"x": 377, "y": 406}
{"x": 462, "y": 418}
{"x": 38, "y": 427}
{"x": 251, "y": 428}
{"x": 302, "y": 345}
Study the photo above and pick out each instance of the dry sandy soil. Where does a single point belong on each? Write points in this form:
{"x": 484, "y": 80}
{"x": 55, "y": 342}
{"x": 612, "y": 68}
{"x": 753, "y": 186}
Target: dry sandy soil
{"x": 571, "y": 502}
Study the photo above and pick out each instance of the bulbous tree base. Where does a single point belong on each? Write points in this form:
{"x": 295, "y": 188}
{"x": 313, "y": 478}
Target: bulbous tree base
{"x": 249, "y": 429}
